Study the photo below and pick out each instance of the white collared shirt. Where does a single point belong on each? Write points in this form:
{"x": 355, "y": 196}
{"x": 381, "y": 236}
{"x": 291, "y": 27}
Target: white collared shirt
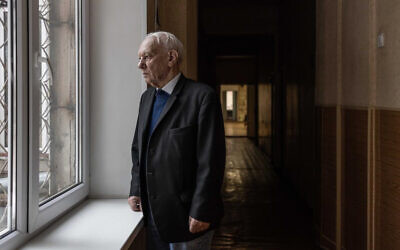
{"x": 169, "y": 87}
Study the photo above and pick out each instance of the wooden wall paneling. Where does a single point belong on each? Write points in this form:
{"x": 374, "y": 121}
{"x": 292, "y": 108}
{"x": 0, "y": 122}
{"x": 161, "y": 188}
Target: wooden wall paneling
{"x": 371, "y": 179}
{"x": 388, "y": 176}
{"x": 377, "y": 197}
{"x": 318, "y": 180}
{"x": 355, "y": 179}
{"x": 340, "y": 161}
{"x": 328, "y": 177}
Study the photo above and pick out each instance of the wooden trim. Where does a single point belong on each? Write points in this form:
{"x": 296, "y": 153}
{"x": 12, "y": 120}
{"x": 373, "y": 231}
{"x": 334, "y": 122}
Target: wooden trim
{"x": 376, "y": 162}
{"x": 134, "y": 236}
{"x": 327, "y": 243}
{"x": 371, "y": 167}
{"x": 386, "y": 108}
{"x": 353, "y": 107}
{"x": 371, "y": 180}
{"x": 339, "y": 178}
{"x": 151, "y": 16}
{"x": 339, "y": 122}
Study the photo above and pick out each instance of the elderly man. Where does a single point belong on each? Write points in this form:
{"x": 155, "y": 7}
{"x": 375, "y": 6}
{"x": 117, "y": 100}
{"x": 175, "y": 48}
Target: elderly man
{"x": 178, "y": 151}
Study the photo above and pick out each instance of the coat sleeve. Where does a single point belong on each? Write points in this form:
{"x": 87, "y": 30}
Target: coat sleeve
{"x": 135, "y": 181}
{"x": 211, "y": 160}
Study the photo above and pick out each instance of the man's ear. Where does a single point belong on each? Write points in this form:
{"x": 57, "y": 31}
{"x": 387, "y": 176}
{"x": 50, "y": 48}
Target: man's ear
{"x": 172, "y": 57}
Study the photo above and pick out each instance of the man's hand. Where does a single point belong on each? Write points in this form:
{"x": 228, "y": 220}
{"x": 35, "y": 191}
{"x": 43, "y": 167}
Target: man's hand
{"x": 135, "y": 203}
{"x": 196, "y": 226}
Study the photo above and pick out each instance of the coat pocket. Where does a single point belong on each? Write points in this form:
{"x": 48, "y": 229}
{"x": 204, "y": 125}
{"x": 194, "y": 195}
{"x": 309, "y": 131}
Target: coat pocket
{"x": 186, "y": 200}
{"x": 181, "y": 130}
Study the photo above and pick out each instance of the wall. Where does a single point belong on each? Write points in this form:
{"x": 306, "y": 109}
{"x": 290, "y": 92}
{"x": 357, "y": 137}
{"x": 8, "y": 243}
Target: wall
{"x": 358, "y": 91}
{"x": 264, "y": 117}
{"x": 293, "y": 91}
{"x": 251, "y": 111}
{"x": 116, "y": 30}
{"x": 180, "y": 18}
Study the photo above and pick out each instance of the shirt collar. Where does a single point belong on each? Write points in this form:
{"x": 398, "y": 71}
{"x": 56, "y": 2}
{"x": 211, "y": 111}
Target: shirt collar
{"x": 169, "y": 87}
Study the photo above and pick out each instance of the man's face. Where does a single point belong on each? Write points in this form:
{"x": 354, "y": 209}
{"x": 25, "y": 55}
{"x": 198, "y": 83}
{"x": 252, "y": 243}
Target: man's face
{"x": 153, "y": 61}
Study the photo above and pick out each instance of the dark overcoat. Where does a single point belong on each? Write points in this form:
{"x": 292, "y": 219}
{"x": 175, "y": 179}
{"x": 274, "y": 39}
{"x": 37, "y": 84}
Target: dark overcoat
{"x": 185, "y": 159}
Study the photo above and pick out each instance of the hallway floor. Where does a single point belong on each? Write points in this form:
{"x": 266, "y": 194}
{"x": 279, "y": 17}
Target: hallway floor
{"x": 260, "y": 212}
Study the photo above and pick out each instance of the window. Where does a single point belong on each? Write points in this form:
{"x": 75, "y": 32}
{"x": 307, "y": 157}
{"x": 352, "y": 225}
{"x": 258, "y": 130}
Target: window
{"x": 56, "y": 109}
{"x": 230, "y": 104}
{"x": 58, "y": 102}
{"x": 7, "y": 201}
{"x": 43, "y": 107}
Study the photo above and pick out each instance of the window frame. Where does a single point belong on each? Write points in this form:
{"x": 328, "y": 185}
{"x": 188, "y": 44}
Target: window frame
{"x": 11, "y": 140}
{"x": 31, "y": 219}
{"x": 41, "y": 214}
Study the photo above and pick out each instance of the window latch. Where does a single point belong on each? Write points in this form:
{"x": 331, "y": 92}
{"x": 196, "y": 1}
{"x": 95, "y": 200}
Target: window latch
{"x": 37, "y": 59}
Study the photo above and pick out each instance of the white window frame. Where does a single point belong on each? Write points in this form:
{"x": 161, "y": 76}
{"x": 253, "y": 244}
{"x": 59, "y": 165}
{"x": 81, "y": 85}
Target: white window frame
{"x": 30, "y": 218}
{"x": 41, "y": 215}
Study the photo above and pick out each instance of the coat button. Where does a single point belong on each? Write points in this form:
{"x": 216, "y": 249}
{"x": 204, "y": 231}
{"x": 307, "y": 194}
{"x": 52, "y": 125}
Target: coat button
{"x": 150, "y": 172}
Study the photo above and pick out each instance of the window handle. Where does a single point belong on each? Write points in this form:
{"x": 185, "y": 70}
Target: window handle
{"x": 37, "y": 59}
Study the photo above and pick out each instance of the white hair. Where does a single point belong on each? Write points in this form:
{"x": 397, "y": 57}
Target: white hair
{"x": 168, "y": 41}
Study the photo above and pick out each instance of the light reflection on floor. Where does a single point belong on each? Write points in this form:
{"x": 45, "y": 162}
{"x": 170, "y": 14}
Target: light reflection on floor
{"x": 260, "y": 213}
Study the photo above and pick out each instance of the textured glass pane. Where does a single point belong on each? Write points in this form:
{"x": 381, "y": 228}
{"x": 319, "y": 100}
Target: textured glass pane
{"x": 5, "y": 108}
{"x": 58, "y": 84}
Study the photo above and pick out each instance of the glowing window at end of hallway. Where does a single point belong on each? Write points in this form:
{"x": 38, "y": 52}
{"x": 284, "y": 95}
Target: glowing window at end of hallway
{"x": 229, "y": 100}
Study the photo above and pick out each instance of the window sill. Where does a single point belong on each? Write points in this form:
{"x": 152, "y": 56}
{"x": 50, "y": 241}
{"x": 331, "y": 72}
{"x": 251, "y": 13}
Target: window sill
{"x": 95, "y": 224}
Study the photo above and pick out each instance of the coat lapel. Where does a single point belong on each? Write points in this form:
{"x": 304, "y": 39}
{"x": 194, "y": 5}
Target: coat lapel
{"x": 171, "y": 100}
{"x": 145, "y": 118}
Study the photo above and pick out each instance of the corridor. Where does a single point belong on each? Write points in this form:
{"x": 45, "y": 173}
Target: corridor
{"x": 260, "y": 212}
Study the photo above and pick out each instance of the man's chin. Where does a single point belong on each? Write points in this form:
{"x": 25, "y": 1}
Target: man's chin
{"x": 152, "y": 84}
{"x": 147, "y": 80}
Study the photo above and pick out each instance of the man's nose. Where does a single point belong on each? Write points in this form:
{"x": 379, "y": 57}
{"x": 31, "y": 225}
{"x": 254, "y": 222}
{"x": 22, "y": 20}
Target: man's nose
{"x": 141, "y": 64}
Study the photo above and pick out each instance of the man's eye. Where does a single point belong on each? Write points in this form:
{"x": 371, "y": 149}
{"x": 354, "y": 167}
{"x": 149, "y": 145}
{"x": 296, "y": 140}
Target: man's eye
{"x": 144, "y": 58}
